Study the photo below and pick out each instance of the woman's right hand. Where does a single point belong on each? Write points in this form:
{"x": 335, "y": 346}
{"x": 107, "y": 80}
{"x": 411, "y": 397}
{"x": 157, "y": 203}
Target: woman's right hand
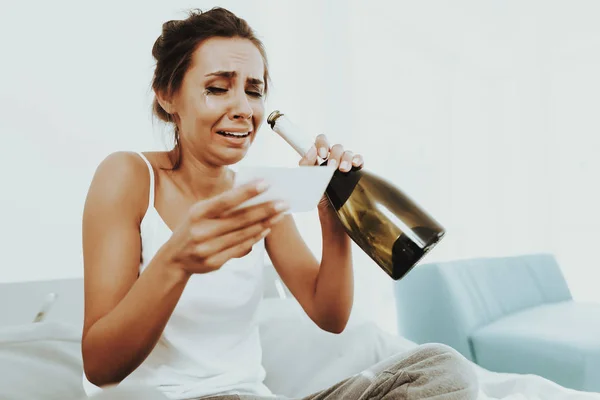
{"x": 213, "y": 233}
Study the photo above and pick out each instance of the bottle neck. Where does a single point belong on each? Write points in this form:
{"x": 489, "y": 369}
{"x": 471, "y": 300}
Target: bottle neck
{"x": 292, "y": 134}
{"x": 342, "y": 184}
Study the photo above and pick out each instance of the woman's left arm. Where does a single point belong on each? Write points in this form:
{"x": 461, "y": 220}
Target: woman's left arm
{"x": 325, "y": 290}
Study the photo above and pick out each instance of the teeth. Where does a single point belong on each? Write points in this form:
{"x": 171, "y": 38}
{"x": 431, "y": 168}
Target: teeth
{"x": 236, "y": 134}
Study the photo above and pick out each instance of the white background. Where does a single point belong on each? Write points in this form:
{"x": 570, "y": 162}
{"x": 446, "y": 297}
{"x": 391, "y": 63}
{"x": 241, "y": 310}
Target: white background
{"x": 486, "y": 112}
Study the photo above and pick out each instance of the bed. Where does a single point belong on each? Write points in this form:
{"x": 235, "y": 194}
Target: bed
{"x": 40, "y": 331}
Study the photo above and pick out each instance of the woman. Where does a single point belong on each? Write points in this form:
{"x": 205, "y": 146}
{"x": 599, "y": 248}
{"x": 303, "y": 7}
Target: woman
{"x": 172, "y": 273}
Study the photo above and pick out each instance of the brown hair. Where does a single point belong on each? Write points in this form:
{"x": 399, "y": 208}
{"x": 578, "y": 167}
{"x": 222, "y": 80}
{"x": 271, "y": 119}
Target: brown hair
{"x": 174, "y": 48}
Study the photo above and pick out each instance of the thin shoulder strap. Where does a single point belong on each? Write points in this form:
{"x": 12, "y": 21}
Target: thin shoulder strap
{"x": 151, "y": 170}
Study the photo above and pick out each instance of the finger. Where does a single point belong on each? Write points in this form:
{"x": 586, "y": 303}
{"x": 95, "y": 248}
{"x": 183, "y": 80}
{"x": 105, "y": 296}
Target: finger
{"x": 204, "y": 232}
{"x": 357, "y": 161}
{"x": 335, "y": 154}
{"x": 217, "y": 260}
{"x": 228, "y": 200}
{"x": 322, "y": 145}
{"x": 310, "y": 158}
{"x": 219, "y": 243}
{"x": 239, "y": 219}
{"x": 346, "y": 161}
{"x": 275, "y": 219}
{"x": 216, "y": 244}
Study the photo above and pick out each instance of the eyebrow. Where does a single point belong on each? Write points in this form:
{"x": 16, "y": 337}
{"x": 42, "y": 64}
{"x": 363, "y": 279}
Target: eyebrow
{"x": 233, "y": 74}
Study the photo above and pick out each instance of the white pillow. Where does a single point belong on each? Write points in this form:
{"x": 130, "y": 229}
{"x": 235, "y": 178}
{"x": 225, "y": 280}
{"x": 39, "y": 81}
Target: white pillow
{"x": 40, "y": 361}
{"x": 301, "y": 359}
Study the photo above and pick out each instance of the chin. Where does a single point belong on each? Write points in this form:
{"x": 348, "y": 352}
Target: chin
{"x": 230, "y": 157}
{"x": 233, "y": 155}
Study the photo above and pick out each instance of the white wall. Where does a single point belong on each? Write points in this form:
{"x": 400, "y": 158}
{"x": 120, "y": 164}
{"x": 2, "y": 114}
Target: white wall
{"x": 492, "y": 108}
{"x": 484, "y": 111}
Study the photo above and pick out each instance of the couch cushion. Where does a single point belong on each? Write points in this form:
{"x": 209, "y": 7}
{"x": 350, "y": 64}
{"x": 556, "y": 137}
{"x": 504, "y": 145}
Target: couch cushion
{"x": 559, "y": 341}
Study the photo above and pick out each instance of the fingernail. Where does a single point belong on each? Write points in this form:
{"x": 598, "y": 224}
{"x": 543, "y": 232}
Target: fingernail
{"x": 332, "y": 162}
{"x": 281, "y": 205}
{"x": 344, "y": 166}
{"x": 356, "y": 161}
{"x": 323, "y": 152}
{"x": 262, "y": 185}
{"x": 266, "y": 232}
{"x": 311, "y": 152}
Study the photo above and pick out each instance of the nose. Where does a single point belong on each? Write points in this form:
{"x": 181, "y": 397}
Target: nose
{"x": 240, "y": 108}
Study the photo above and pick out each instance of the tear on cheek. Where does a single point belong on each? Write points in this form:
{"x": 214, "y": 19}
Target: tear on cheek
{"x": 209, "y": 101}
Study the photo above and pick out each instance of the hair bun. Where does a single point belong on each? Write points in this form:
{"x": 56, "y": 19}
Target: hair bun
{"x": 168, "y": 28}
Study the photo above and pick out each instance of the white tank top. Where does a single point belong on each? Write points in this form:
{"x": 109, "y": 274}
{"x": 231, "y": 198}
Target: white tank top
{"x": 211, "y": 343}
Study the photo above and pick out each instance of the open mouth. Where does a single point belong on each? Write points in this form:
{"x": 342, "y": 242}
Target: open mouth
{"x": 234, "y": 134}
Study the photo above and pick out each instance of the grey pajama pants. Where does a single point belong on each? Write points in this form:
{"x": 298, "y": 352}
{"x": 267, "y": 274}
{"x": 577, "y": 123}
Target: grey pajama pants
{"x": 430, "y": 371}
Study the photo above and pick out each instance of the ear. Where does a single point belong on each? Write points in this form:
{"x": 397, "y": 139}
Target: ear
{"x": 165, "y": 102}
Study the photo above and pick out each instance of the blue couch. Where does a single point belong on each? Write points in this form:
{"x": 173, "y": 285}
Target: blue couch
{"x": 507, "y": 314}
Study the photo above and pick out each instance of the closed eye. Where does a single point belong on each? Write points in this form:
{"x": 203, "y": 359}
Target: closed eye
{"x": 254, "y": 94}
{"x": 215, "y": 90}
{"x": 218, "y": 90}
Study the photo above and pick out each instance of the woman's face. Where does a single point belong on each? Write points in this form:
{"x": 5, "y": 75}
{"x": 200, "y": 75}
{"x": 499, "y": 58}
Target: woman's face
{"x": 220, "y": 104}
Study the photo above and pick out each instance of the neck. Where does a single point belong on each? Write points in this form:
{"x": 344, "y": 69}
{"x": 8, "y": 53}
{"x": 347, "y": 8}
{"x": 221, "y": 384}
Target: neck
{"x": 200, "y": 179}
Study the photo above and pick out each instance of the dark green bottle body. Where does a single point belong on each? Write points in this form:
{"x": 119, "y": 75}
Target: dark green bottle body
{"x": 383, "y": 221}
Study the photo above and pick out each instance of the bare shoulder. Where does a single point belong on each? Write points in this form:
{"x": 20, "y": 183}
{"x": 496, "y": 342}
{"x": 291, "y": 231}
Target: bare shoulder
{"x": 122, "y": 180}
{"x": 121, "y": 166}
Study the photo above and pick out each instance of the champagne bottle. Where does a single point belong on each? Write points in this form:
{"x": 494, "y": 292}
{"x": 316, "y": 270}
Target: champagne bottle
{"x": 380, "y": 218}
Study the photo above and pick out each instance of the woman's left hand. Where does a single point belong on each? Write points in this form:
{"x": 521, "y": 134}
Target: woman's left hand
{"x": 335, "y": 155}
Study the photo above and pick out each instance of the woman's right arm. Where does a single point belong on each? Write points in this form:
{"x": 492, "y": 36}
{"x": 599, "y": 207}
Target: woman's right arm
{"x": 125, "y": 314}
